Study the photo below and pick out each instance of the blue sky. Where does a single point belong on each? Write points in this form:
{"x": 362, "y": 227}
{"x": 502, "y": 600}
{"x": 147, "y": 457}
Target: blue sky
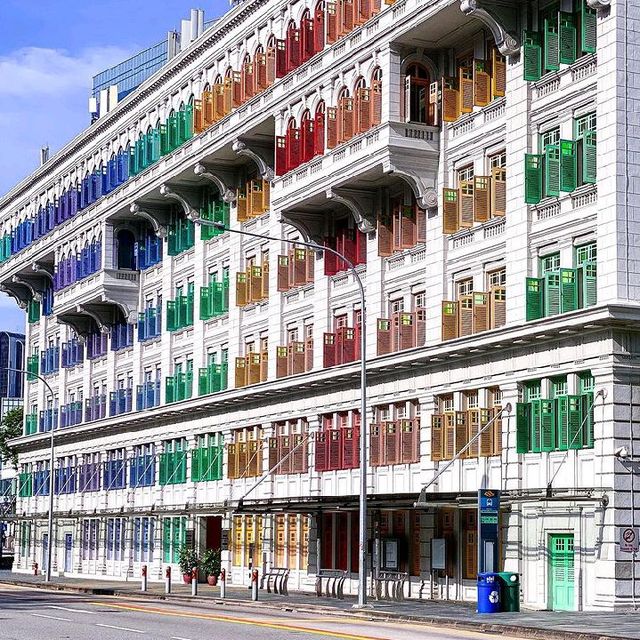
{"x": 49, "y": 51}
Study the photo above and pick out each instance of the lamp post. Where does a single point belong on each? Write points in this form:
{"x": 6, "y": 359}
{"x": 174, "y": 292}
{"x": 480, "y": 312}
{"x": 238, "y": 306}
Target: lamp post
{"x": 47, "y": 577}
{"x": 362, "y": 555}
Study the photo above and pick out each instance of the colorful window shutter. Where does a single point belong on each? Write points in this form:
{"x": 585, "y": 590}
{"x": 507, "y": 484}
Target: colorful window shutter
{"x": 569, "y": 290}
{"x": 449, "y": 320}
{"x": 552, "y": 170}
{"x": 532, "y": 51}
{"x": 535, "y": 426}
{"x": 533, "y": 178}
{"x": 534, "y": 298}
{"x": 589, "y": 157}
{"x": 552, "y": 293}
{"x": 551, "y": 45}
{"x": 450, "y": 199}
{"x": 568, "y": 166}
{"x": 588, "y": 284}
{"x": 588, "y": 28}
{"x": 547, "y": 425}
{"x": 568, "y": 36}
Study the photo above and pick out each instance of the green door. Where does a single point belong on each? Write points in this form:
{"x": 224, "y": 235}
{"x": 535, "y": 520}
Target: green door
{"x": 561, "y": 573}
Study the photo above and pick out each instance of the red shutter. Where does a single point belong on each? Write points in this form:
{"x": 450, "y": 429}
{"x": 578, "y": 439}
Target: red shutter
{"x": 308, "y": 354}
{"x": 329, "y": 353}
{"x": 346, "y": 345}
{"x": 281, "y": 58}
{"x": 384, "y": 337}
{"x": 408, "y": 227}
{"x": 318, "y": 29}
{"x": 281, "y": 155}
{"x": 345, "y": 119}
{"x": 332, "y": 22}
{"x": 396, "y": 225}
{"x": 271, "y": 65}
{"x": 321, "y": 451}
{"x": 237, "y": 99}
{"x": 346, "y": 15}
{"x": 293, "y": 148}
{"x": 248, "y": 81}
{"x": 335, "y": 448}
{"x": 318, "y": 134}
{"x": 330, "y": 258}
{"x": 420, "y": 328}
{"x": 311, "y": 265}
{"x": 260, "y": 69}
{"x": 385, "y": 236}
{"x": 296, "y": 358}
{"x": 391, "y": 444}
{"x": 294, "y": 49}
{"x": 283, "y": 273}
{"x": 308, "y": 142}
{"x": 376, "y": 102}
{"x": 361, "y": 247}
{"x": 308, "y": 40}
{"x": 409, "y": 440}
{"x": 421, "y": 225}
{"x": 299, "y": 267}
{"x": 375, "y": 453}
{"x": 282, "y": 362}
{"x": 363, "y": 110}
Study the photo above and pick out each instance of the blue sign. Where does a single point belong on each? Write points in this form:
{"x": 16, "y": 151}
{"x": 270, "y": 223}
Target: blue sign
{"x": 488, "y": 523}
{"x": 489, "y": 500}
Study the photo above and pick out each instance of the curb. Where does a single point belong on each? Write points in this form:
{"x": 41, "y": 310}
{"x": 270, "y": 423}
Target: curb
{"x": 437, "y": 621}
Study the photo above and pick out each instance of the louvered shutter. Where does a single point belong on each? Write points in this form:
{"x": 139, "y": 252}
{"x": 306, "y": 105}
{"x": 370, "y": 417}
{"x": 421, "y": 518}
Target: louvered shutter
{"x": 241, "y": 289}
{"x": 271, "y": 62}
{"x": 308, "y": 354}
{"x": 299, "y": 267}
{"x": 450, "y": 110}
{"x": 588, "y": 274}
{"x": 318, "y": 28}
{"x": 568, "y": 166}
{"x": 282, "y": 362}
{"x": 465, "y": 90}
{"x": 255, "y": 284}
{"x": 321, "y": 457}
{"x": 532, "y": 52}
{"x": 408, "y": 227}
{"x": 332, "y": 22}
{"x": 465, "y": 315}
{"x": 450, "y": 211}
{"x": 228, "y": 95}
{"x": 198, "y": 117}
{"x": 391, "y": 442}
{"x": 363, "y": 109}
{"x": 588, "y": 28}
{"x": 335, "y": 448}
{"x": 385, "y": 236}
{"x": 248, "y": 86}
{"x": 296, "y": 358}
{"x": 208, "y": 117}
{"x": 281, "y": 155}
{"x": 375, "y": 97}
{"x": 486, "y": 437}
{"x": 421, "y": 225}
{"x": 437, "y": 439}
{"x": 329, "y": 353}
{"x": 318, "y": 134}
{"x": 535, "y": 425}
{"x": 574, "y": 422}
{"x": 283, "y": 273}
{"x": 466, "y": 204}
{"x": 384, "y": 342}
{"x": 345, "y": 120}
{"x": 481, "y": 198}
{"x": 481, "y": 84}
{"x": 552, "y": 293}
{"x": 552, "y": 170}
{"x": 480, "y": 312}
{"x": 449, "y": 320}
{"x": 409, "y": 440}
{"x": 281, "y": 58}
{"x": 498, "y": 191}
{"x": 375, "y": 442}
{"x": 435, "y": 98}
{"x": 293, "y": 148}
{"x": 551, "y": 45}
{"x": 498, "y": 307}
{"x": 308, "y": 42}
{"x": 547, "y": 425}
{"x": 260, "y": 70}
{"x": 568, "y": 37}
{"x": 473, "y": 427}
{"x": 461, "y": 436}
{"x": 523, "y": 434}
{"x": 294, "y": 49}
{"x": 330, "y": 258}
{"x": 308, "y": 140}
{"x": 533, "y": 178}
{"x": 589, "y": 157}
{"x": 332, "y": 127}
{"x": 498, "y": 74}
{"x": 237, "y": 95}
{"x": 587, "y": 420}
{"x": 569, "y": 290}
{"x": 534, "y": 298}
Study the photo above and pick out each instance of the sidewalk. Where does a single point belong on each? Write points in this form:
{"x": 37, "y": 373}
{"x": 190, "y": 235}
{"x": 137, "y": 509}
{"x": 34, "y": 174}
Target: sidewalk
{"x": 532, "y": 624}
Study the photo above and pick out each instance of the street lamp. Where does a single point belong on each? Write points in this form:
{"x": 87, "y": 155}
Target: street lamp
{"x": 47, "y": 577}
{"x": 362, "y": 571}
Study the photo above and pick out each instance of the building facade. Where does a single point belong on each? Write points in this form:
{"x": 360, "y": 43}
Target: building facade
{"x": 474, "y": 161}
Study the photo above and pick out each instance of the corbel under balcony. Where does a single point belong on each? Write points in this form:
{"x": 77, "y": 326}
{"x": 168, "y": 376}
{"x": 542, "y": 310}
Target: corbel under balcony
{"x": 187, "y": 197}
{"x": 360, "y": 203}
{"x": 34, "y": 283}
{"x": 423, "y": 186}
{"x": 502, "y": 21}
{"x": 81, "y": 323}
{"x": 43, "y": 269}
{"x": 157, "y": 217}
{"x": 221, "y": 178}
{"x": 258, "y": 154}
{"x": 18, "y": 292}
{"x": 309, "y": 225}
{"x": 599, "y": 4}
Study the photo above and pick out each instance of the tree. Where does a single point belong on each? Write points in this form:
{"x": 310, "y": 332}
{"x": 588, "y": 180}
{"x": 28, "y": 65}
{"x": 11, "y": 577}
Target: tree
{"x": 10, "y": 427}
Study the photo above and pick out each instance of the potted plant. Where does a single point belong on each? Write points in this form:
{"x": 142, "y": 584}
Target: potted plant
{"x": 211, "y": 565}
{"x": 187, "y": 559}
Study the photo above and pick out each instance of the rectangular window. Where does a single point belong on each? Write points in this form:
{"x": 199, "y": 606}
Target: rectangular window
{"x": 549, "y": 263}
{"x": 558, "y": 386}
{"x": 446, "y": 403}
{"x": 497, "y": 278}
{"x": 531, "y": 390}
{"x": 586, "y": 382}
{"x": 584, "y": 123}
{"x": 471, "y": 399}
{"x": 464, "y": 287}
{"x": 465, "y": 174}
{"x": 396, "y": 306}
{"x": 551, "y": 137}
{"x": 419, "y": 300}
{"x": 586, "y": 253}
{"x": 498, "y": 160}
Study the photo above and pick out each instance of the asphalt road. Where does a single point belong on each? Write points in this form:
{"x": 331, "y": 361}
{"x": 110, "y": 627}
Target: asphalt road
{"x": 35, "y": 614}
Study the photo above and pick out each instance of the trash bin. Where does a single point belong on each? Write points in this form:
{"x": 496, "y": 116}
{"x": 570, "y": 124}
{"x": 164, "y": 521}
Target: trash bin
{"x": 488, "y": 593}
{"x": 510, "y": 590}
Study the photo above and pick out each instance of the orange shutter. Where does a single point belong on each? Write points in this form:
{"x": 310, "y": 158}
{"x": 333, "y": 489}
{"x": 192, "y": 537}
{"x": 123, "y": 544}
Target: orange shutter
{"x": 449, "y": 320}
{"x": 376, "y": 102}
{"x": 237, "y": 97}
{"x": 473, "y": 426}
{"x": 346, "y": 119}
{"x": 264, "y": 366}
{"x": 282, "y": 362}
{"x": 241, "y": 289}
{"x": 385, "y": 236}
{"x": 228, "y": 95}
{"x": 465, "y": 90}
{"x": 449, "y": 435}
{"x": 408, "y": 227}
{"x": 437, "y": 441}
{"x": 496, "y": 427}
{"x": 260, "y": 69}
{"x": 420, "y": 328}
{"x": 283, "y": 273}
{"x": 421, "y": 225}
{"x": 248, "y": 87}
{"x": 363, "y": 110}
{"x": 241, "y": 373}
{"x": 450, "y": 210}
{"x": 434, "y": 103}
{"x": 466, "y": 204}
{"x": 465, "y": 320}
{"x": 271, "y": 66}
{"x": 198, "y": 116}
{"x": 461, "y": 433}
{"x": 384, "y": 345}
{"x": 486, "y": 438}
{"x": 481, "y": 84}
{"x": 241, "y": 203}
{"x": 498, "y": 74}
{"x": 332, "y": 22}
{"x": 208, "y": 108}
{"x": 450, "y": 110}
{"x": 332, "y": 127}
{"x": 218, "y": 102}
{"x": 498, "y": 307}
{"x": 255, "y": 284}
{"x": 253, "y": 365}
{"x": 480, "y": 312}
{"x": 481, "y": 198}
{"x": 498, "y": 191}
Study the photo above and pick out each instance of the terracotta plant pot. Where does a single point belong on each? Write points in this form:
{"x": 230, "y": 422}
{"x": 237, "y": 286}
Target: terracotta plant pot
{"x": 212, "y": 580}
{"x": 187, "y": 578}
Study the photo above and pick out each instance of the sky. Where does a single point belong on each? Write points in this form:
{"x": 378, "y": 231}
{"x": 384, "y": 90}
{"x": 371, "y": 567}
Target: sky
{"x": 49, "y": 52}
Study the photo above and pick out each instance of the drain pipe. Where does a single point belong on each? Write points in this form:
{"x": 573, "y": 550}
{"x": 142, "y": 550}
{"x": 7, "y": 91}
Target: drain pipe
{"x": 633, "y": 498}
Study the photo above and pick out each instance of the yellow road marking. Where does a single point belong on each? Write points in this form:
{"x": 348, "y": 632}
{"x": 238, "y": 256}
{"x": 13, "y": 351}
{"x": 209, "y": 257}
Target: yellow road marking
{"x": 234, "y": 620}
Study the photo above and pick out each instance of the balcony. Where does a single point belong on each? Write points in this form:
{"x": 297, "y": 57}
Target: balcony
{"x": 120, "y": 401}
{"x": 70, "y": 414}
{"x": 393, "y": 147}
{"x": 72, "y": 354}
{"x": 149, "y": 324}
{"x": 212, "y": 379}
{"x": 95, "y": 408}
{"x": 294, "y": 358}
{"x": 402, "y": 331}
{"x": 48, "y": 420}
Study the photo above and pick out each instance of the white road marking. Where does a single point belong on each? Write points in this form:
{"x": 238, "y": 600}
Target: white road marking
{"x": 91, "y": 613}
{"x": 179, "y": 638}
{"x": 41, "y": 615}
{"x": 111, "y": 626}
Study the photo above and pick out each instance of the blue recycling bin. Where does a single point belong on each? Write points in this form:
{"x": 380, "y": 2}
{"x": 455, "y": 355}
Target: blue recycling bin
{"x": 488, "y": 593}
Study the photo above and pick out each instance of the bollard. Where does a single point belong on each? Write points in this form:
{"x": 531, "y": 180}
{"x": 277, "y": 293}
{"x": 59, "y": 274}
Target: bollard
{"x": 223, "y": 584}
{"x": 254, "y": 585}
{"x": 194, "y": 581}
{"x": 167, "y": 580}
{"x": 35, "y": 568}
{"x": 143, "y": 584}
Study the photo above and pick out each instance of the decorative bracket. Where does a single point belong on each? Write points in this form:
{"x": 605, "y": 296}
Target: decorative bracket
{"x": 80, "y": 323}
{"x": 426, "y": 196}
{"x": 309, "y": 226}
{"x": 38, "y": 267}
{"x": 33, "y": 284}
{"x": 360, "y": 203}
{"x": 220, "y": 178}
{"x": 185, "y": 197}
{"x": 158, "y": 218}
{"x": 599, "y": 4}
{"x": 21, "y": 298}
{"x": 507, "y": 44}
{"x": 241, "y": 148}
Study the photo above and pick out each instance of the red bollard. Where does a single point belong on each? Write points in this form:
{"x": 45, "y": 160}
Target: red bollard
{"x": 254, "y": 584}
{"x": 223, "y": 584}
{"x": 194, "y": 581}
{"x": 143, "y": 585}
{"x": 167, "y": 580}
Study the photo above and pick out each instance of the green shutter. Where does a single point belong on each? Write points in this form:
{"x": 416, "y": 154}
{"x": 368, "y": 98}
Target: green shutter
{"x": 171, "y": 315}
{"x": 170, "y": 390}
{"x": 196, "y": 466}
{"x": 522, "y": 427}
{"x": 547, "y": 425}
{"x": 588, "y": 283}
{"x": 562, "y": 421}
{"x": 532, "y": 53}
{"x": 532, "y": 178}
{"x": 574, "y": 432}
{"x": 551, "y": 45}
{"x": 203, "y": 382}
{"x": 552, "y": 170}
{"x": 589, "y": 157}
{"x": 205, "y": 308}
{"x": 534, "y": 425}
{"x": 588, "y": 28}
{"x": 181, "y": 464}
{"x": 569, "y": 290}
{"x": 176, "y": 537}
{"x": 568, "y": 166}
{"x": 189, "y": 383}
{"x": 568, "y": 36}
{"x": 216, "y": 465}
{"x": 166, "y": 539}
{"x": 165, "y": 468}
{"x": 552, "y": 293}
{"x": 587, "y": 411}
{"x": 535, "y": 301}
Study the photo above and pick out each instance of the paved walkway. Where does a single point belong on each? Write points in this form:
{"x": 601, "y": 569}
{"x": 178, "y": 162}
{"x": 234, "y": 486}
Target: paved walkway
{"x": 540, "y": 624}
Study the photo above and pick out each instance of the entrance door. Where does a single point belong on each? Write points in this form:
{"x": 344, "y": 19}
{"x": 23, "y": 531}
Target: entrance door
{"x": 561, "y": 573}
{"x": 68, "y": 553}
{"x": 45, "y": 549}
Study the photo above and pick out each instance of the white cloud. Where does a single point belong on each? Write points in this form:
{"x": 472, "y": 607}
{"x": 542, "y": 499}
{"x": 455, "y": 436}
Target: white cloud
{"x": 43, "y": 100}
{"x": 12, "y": 318}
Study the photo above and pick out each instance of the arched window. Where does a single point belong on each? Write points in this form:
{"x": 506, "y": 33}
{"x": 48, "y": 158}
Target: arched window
{"x": 294, "y": 47}
{"x": 125, "y": 243}
{"x": 362, "y": 105}
{"x": 346, "y": 123}
{"x": 318, "y": 129}
{"x": 248, "y": 78}
{"x": 416, "y": 92}
{"x": 294, "y": 155}
{"x": 306, "y": 35}
{"x": 376, "y": 97}
{"x": 306, "y": 132}
{"x": 318, "y": 27}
